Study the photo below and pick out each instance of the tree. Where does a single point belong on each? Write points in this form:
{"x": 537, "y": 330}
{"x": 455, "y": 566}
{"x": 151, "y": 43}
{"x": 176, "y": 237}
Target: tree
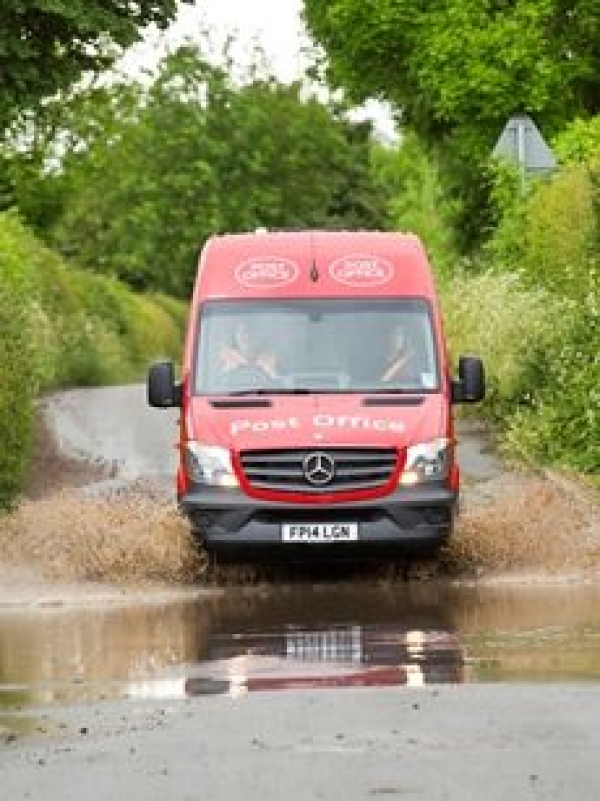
{"x": 409, "y": 177}
{"x": 144, "y": 176}
{"x": 457, "y": 69}
{"x": 46, "y": 46}
{"x": 36, "y": 142}
{"x": 464, "y": 62}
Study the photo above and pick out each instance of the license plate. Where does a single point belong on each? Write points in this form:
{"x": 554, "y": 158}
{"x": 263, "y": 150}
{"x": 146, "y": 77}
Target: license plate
{"x": 319, "y": 532}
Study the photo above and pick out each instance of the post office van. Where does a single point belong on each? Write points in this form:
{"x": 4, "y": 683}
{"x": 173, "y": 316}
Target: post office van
{"x": 316, "y": 398}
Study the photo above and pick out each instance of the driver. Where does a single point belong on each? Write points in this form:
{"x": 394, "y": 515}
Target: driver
{"x": 246, "y": 351}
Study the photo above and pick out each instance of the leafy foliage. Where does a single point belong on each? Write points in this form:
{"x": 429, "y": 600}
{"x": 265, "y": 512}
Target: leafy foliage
{"x": 46, "y": 46}
{"x": 512, "y": 327}
{"x": 148, "y": 175}
{"x": 456, "y": 70}
{"x": 536, "y": 318}
{"x": 563, "y": 426}
{"x": 557, "y": 253}
{"x": 464, "y": 63}
{"x": 579, "y": 141}
{"x": 409, "y": 178}
{"x": 63, "y": 327}
{"x": 17, "y": 372}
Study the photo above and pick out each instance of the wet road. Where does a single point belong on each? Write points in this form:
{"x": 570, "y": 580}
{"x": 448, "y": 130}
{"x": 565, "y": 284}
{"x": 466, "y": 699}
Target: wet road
{"x": 307, "y": 691}
{"x": 302, "y": 636}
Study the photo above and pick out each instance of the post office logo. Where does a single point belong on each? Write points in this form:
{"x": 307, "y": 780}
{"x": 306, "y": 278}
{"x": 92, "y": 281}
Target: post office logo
{"x": 361, "y": 271}
{"x": 266, "y": 273}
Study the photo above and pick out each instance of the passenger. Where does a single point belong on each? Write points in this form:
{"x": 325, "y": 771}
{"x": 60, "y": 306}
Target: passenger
{"x": 246, "y": 351}
{"x": 400, "y": 366}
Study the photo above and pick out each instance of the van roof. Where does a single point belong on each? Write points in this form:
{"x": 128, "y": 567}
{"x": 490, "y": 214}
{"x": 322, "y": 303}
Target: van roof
{"x": 313, "y": 263}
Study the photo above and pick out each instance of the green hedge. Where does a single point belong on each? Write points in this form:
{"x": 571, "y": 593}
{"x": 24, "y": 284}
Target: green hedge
{"x": 534, "y": 316}
{"x": 514, "y": 328}
{"x": 17, "y": 365}
{"x": 64, "y": 327}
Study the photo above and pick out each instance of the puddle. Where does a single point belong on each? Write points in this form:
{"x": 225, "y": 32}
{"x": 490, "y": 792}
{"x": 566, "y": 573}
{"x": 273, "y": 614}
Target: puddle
{"x": 302, "y": 636}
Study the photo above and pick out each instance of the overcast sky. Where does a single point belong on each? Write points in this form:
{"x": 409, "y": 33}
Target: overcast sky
{"x": 275, "y": 24}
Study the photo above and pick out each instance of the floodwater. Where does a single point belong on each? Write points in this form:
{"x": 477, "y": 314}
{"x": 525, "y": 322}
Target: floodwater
{"x": 302, "y": 635}
{"x": 308, "y": 633}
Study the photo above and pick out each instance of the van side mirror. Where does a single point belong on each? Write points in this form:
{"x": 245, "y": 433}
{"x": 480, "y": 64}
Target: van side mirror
{"x": 163, "y": 391}
{"x": 470, "y": 386}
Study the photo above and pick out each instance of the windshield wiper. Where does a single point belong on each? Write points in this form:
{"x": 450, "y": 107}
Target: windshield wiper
{"x": 240, "y": 393}
{"x": 394, "y": 391}
{"x": 262, "y": 391}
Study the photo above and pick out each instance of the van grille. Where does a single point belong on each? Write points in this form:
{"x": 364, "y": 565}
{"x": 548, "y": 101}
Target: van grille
{"x": 290, "y": 470}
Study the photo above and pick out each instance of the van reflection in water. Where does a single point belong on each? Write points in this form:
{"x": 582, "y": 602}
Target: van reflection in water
{"x": 340, "y": 656}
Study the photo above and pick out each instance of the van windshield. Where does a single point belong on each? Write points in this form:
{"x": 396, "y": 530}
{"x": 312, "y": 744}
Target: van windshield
{"x": 313, "y": 345}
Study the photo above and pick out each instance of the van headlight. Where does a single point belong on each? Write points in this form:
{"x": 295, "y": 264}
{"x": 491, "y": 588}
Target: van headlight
{"x": 209, "y": 465}
{"x": 428, "y": 461}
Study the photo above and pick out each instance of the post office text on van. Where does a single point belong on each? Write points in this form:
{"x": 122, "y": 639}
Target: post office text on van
{"x": 318, "y": 421}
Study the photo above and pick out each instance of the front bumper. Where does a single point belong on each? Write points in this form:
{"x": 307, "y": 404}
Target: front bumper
{"x": 415, "y": 520}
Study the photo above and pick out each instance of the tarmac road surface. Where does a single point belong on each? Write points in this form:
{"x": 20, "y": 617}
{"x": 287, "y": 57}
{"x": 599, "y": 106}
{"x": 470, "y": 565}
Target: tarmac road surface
{"x": 469, "y": 743}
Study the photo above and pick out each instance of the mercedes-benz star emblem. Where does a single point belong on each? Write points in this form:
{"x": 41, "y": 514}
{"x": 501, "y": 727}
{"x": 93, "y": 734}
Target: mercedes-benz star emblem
{"x": 319, "y": 468}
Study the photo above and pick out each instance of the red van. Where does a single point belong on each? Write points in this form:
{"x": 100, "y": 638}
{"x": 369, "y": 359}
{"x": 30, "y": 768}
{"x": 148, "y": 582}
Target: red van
{"x": 316, "y": 397}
